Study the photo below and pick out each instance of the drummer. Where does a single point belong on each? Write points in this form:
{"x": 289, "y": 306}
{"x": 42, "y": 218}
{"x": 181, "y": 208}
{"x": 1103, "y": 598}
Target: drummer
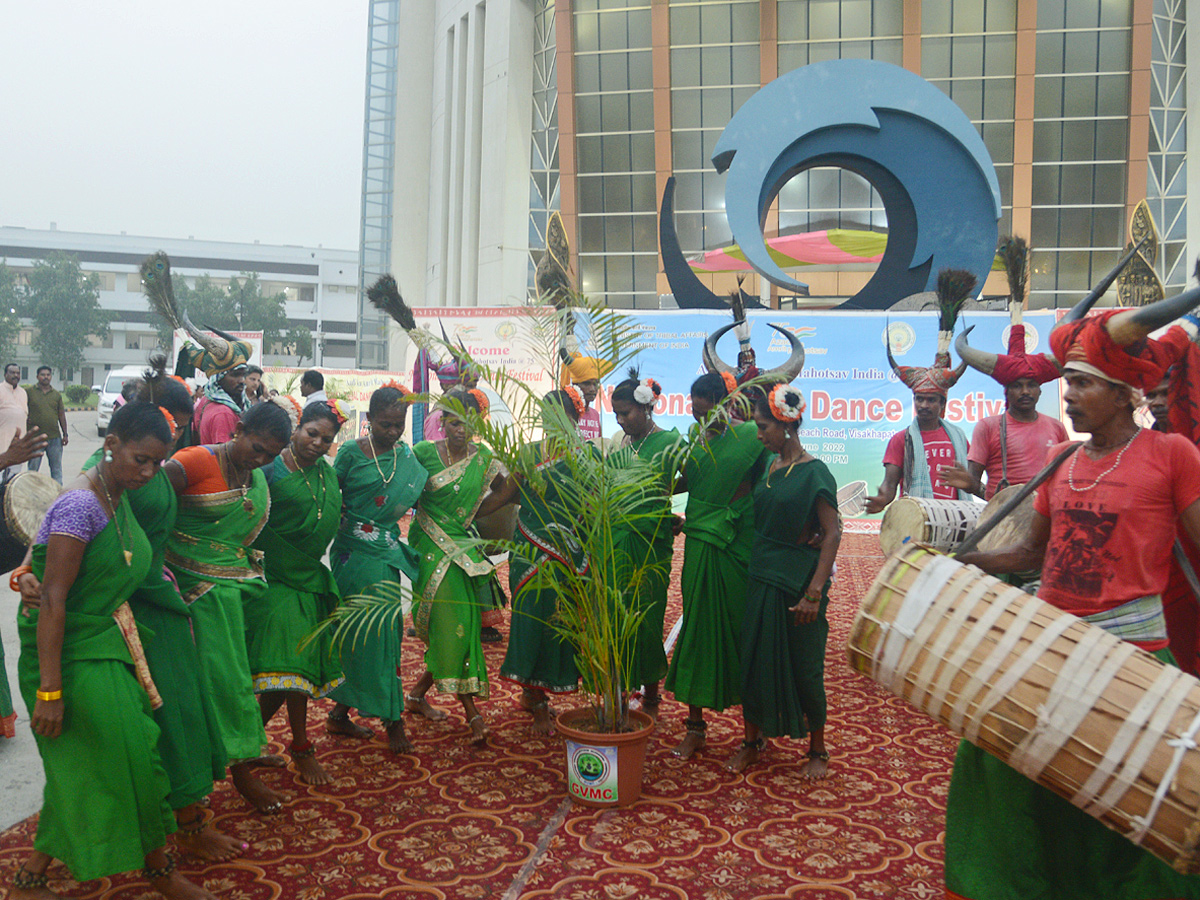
{"x": 915, "y": 457}
{"x": 1011, "y": 447}
{"x": 1105, "y": 522}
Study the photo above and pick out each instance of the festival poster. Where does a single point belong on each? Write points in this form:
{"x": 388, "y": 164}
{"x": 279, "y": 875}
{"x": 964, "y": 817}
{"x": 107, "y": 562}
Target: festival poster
{"x": 855, "y": 402}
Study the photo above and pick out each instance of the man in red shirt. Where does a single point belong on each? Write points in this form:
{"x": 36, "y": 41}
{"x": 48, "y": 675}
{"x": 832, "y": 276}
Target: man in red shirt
{"x": 1102, "y": 533}
{"x": 1011, "y": 447}
{"x": 224, "y": 360}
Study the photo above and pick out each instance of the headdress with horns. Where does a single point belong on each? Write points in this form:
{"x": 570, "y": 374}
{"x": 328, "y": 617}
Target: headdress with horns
{"x": 217, "y": 352}
{"x": 780, "y": 374}
{"x": 954, "y": 286}
{"x": 1116, "y": 345}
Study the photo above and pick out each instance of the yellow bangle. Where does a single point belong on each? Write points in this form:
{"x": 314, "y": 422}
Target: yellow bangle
{"x": 50, "y": 696}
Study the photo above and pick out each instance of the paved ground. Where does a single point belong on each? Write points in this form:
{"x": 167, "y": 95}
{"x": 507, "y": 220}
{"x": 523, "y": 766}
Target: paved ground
{"x": 21, "y": 776}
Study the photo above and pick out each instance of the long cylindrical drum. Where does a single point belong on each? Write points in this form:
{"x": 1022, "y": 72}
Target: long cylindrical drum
{"x": 1012, "y": 528}
{"x": 941, "y": 524}
{"x": 1087, "y": 715}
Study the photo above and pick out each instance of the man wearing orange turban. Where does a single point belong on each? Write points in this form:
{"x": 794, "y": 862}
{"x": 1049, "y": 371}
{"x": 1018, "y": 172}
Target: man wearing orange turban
{"x": 585, "y": 373}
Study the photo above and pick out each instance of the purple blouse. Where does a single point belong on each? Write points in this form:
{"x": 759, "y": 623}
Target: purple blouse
{"x": 78, "y": 514}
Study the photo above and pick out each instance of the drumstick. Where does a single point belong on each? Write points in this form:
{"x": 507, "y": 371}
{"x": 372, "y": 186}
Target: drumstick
{"x": 971, "y": 541}
{"x": 1189, "y": 573}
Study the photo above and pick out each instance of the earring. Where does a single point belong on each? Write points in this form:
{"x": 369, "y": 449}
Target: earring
{"x": 108, "y": 456}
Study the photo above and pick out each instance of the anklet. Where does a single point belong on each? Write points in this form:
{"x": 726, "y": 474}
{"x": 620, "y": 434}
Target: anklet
{"x": 27, "y": 881}
{"x": 695, "y": 726}
{"x": 195, "y": 826}
{"x": 156, "y": 874}
{"x": 302, "y": 751}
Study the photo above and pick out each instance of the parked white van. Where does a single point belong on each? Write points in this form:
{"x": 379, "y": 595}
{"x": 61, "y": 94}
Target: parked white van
{"x": 110, "y": 390}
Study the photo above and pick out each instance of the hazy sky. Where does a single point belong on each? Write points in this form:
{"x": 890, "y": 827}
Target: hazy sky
{"x": 223, "y": 120}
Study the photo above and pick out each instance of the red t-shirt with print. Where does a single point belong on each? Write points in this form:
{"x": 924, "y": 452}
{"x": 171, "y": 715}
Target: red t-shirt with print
{"x": 938, "y": 452}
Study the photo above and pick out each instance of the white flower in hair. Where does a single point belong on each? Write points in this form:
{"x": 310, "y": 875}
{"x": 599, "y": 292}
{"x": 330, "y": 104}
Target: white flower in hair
{"x": 644, "y": 393}
{"x": 786, "y": 402}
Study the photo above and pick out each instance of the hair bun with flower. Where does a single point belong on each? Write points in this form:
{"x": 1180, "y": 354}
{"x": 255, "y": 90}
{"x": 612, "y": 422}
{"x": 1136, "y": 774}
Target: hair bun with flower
{"x": 171, "y": 423}
{"x": 393, "y": 383}
{"x": 731, "y": 384}
{"x": 647, "y": 391}
{"x": 289, "y": 405}
{"x": 576, "y": 399}
{"x": 340, "y": 411}
{"x": 786, "y": 403}
{"x": 482, "y": 401}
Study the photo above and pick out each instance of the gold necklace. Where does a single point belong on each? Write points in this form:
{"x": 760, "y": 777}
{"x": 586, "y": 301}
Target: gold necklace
{"x": 247, "y": 503}
{"x": 303, "y": 473}
{"x": 375, "y": 459}
{"x": 771, "y": 468}
{"x": 112, "y": 509}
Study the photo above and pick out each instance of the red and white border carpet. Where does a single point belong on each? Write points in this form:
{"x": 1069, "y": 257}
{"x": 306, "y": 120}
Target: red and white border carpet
{"x": 454, "y": 821}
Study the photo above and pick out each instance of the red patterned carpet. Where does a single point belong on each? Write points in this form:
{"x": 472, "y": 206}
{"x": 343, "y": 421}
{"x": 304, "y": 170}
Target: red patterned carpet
{"x": 456, "y": 822}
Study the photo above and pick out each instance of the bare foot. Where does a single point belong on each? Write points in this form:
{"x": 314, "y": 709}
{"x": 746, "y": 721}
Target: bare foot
{"x": 311, "y": 771}
{"x": 745, "y": 757}
{"x": 543, "y": 718}
{"x": 209, "y": 844}
{"x": 176, "y": 887}
{"x": 479, "y": 731}
{"x": 816, "y": 767}
{"x": 420, "y": 706}
{"x": 348, "y": 728}
{"x": 398, "y": 741}
{"x": 257, "y": 794}
{"x": 693, "y": 742}
{"x": 40, "y": 892}
{"x": 268, "y": 761}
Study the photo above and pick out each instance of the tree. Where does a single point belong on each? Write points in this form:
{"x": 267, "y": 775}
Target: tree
{"x": 64, "y": 305}
{"x": 10, "y": 299}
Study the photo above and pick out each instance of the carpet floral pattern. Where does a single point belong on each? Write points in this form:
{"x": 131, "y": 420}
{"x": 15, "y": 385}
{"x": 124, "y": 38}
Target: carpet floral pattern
{"x": 453, "y": 822}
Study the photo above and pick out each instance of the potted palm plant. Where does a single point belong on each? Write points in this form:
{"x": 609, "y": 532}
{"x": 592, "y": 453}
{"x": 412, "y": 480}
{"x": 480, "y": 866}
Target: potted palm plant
{"x": 597, "y": 608}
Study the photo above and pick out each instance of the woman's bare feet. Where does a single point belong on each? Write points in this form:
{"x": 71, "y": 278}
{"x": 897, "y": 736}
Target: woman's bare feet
{"x": 30, "y": 881}
{"x": 269, "y": 761}
{"x": 816, "y": 766}
{"x": 307, "y": 767}
{"x": 197, "y": 838}
{"x": 694, "y": 739}
{"x": 174, "y": 886}
{"x": 398, "y": 741}
{"x": 252, "y": 789}
{"x": 420, "y": 706}
{"x": 479, "y": 731}
{"x": 344, "y": 726}
{"x": 535, "y": 702}
{"x": 746, "y": 756}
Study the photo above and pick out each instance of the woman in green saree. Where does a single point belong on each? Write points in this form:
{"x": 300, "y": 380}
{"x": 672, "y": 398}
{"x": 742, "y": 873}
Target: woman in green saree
{"x": 84, "y": 676}
{"x": 380, "y": 480}
{"x": 650, "y": 539}
{"x": 784, "y": 629}
{"x": 537, "y": 657}
{"x": 454, "y": 585}
{"x": 719, "y": 473}
{"x": 223, "y": 505}
{"x": 306, "y": 503}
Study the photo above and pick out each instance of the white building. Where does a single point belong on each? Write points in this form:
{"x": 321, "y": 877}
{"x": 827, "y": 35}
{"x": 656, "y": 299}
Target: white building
{"x": 321, "y": 287}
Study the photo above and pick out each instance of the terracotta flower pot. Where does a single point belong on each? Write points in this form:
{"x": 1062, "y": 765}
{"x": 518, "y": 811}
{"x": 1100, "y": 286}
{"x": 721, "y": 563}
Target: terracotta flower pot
{"x": 604, "y": 770}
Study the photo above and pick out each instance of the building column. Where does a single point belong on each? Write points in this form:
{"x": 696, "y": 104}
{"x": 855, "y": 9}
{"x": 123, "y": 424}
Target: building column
{"x": 1137, "y": 167}
{"x": 568, "y": 169}
{"x": 910, "y": 53}
{"x": 660, "y": 62}
{"x": 1022, "y": 176}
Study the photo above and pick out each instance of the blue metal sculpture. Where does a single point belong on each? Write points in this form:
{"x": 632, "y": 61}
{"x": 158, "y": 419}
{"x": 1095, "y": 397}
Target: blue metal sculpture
{"x": 895, "y": 129}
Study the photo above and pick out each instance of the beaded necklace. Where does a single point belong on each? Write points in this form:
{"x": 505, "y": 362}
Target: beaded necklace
{"x": 112, "y": 508}
{"x": 1100, "y": 477}
{"x": 387, "y": 479}
{"x": 244, "y": 487}
{"x": 303, "y": 473}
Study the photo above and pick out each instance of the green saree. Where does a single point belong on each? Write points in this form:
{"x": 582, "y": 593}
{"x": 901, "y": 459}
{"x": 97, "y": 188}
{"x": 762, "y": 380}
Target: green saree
{"x": 706, "y": 668}
{"x": 368, "y": 551}
{"x": 783, "y": 665}
{"x": 190, "y": 743}
{"x": 8, "y": 717}
{"x": 104, "y": 806}
{"x": 537, "y": 656}
{"x": 209, "y": 553}
{"x": 300, "y": 590}
{"x": 453, "y": 590}
{"x": 649, "y": 540}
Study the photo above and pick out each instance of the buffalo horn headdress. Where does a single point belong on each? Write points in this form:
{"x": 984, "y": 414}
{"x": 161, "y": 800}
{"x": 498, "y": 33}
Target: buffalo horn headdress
{"x": 786, "y": 372}
{"x": 954, "y": 286}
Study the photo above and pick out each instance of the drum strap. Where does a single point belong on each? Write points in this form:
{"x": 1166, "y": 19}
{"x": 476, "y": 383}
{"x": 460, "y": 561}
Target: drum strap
{"x": 1003, "y": 452}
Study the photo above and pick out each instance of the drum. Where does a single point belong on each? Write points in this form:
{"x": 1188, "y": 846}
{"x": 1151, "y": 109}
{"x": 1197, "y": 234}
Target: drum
{"x": 26, "y": 498}
{"x": 939, "y": 523}
{"x": 1012, "y": 528}
{"x": 1092, "y": 718}
{"x": 852, "y": 498}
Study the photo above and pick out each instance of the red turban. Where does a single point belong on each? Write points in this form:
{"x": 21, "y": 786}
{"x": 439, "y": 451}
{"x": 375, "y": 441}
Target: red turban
{"x": 1142, "y": 365}
{"x": 1018, "y": 364}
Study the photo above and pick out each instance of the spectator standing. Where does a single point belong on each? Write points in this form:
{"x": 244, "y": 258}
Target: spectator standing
{"x": 14, "y": 412}
{"x": 312, "y": 387}
{"x": 255, "y": 391}
{"x": 46, "y": 411}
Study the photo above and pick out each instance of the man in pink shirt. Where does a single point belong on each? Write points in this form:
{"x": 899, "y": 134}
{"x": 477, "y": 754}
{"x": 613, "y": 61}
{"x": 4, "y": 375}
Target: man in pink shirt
{"x": 1011, "y": 447}
{"x": 585, "y": 372}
